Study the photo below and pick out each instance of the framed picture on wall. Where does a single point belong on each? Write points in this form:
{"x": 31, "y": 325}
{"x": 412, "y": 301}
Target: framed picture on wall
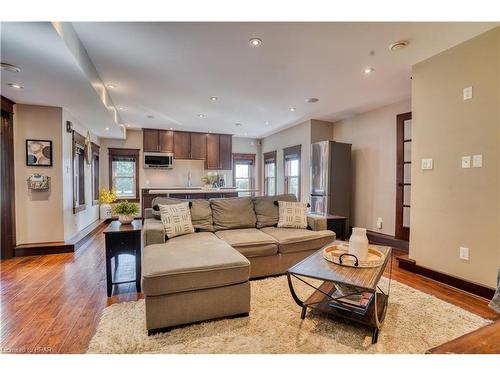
{"x": 38, "y": 153}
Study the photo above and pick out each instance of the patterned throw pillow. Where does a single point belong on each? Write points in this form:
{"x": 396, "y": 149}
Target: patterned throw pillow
{"x": 176, "y": 219}
{"x": 292, "y": 215}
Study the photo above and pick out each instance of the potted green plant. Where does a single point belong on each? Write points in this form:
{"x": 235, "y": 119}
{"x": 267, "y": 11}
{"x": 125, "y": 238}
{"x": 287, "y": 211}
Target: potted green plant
{"x": 126, "y": 211}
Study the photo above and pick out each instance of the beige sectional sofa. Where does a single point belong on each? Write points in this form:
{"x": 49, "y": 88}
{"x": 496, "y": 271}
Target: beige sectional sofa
{"x": 204, "y": 275}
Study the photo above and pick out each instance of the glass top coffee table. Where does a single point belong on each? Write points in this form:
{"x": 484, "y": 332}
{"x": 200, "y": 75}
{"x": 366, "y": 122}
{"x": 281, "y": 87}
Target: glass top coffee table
{"x": 346, "y": 292}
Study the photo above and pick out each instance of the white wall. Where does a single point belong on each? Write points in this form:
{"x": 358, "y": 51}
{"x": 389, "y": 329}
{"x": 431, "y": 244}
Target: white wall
{"x": 48, "y": 216}
{"x": 452, "y": 206}
{"x": 73, "y": 223}
{"x": 297, "y": 135}
{"x": 38, "y": 213}
{"x": 373, "y": 138}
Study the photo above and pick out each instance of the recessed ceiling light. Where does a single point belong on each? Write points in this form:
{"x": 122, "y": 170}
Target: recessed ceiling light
{"x": 15, "y": 85}
{"x": 111, "y": 86}
{"x": 368, "y": 70}
{"x": 171, "y": 128}
{"x": 214, "y": 98}
{"x": 267, "y": 122}
{"x": 121, "y": 108}
{"x": 210, "y": 131}
{"x": 396, "y": 46}
{"x": 151, "y": 116}
{"x": 201, "y": 115}
{"x": 255, "y": 42}
{"x": 10, "y": 68}
{"x": 106, "y": 128}
{"x": 292, "y": 109}
{"x": 312, "y": 100}
{"x": 238, "y": 124}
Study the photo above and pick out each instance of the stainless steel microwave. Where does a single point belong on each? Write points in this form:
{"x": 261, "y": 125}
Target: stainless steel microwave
{"x": 159, "y": 160}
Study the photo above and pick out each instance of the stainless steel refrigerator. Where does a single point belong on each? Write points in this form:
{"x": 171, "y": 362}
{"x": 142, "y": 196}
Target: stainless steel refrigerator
{"x": 331, "y": 178}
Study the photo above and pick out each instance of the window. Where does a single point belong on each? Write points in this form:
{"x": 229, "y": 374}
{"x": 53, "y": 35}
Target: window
{"x": 95, "y": 173}
{"x": 124, "y": 173}
{"x": 270, "y": 173}
{"x": 78, "y": 172}
{"x": 291, "y": 161}
{"x": 243, "y": 172}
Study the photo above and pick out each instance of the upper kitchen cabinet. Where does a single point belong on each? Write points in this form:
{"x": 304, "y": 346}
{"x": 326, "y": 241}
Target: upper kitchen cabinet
{"x": 182, "y": 145}
{"x": 150, "y": 138}
{"x": 226, "y": 151}
{"x": 166, "y": 141}
{"x": 198, "y": 146}
{"x": 212, "y": 161}
{"x": 155, "y": 140}
{"x": 215, "y": 149}
{"x": 219, "y": 151}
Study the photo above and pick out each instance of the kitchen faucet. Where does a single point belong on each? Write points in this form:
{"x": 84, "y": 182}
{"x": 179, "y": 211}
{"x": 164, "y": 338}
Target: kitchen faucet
{"x": 189, "y": 179}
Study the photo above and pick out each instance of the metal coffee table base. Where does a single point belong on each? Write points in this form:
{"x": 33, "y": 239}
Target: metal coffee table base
{"x": 320, "y": 300}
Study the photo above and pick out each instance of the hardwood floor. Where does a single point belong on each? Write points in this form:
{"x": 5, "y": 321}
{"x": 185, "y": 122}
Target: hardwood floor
{"x": 52, "y": 303}
{"x": 483, "y": 340}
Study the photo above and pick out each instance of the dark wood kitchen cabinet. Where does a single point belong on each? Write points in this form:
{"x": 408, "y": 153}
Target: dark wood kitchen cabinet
{"x": 156, "y": 140}
{"x": 150, "y": 138}
{"x": 225, "y": 152}
{"x": 215, "y": 149}
{"x": 212, "y": 160}
{"x": 198, "y": 146}
{"x": 182, "y": 145}
{"x": 166, "y": 141}
{"x": 219, "y": 151}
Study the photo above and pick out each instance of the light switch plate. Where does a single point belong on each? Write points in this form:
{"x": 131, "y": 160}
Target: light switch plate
{"x": 464, "y": 253}
{"x": 468, "y": 93}
{"x": 477, "y": 161}
{"x": 427, "y": 164}
{"x": 465, "y": 161}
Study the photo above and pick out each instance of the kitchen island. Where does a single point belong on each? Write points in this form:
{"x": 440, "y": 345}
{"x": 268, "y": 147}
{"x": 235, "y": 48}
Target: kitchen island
{"x": 148, "y": 194}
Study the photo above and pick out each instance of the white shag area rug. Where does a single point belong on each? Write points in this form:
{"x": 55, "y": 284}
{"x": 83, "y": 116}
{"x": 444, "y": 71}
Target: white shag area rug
{"x": 414, "y": 322}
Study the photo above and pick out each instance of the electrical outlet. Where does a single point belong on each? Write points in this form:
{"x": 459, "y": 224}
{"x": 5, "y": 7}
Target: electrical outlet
{"x": 477, "y": 161}
{"x": 427, "y": 164}
{"x": 380, "y": 223}
{"x": 464, "y": 253}
{"x": 468, "y": 93}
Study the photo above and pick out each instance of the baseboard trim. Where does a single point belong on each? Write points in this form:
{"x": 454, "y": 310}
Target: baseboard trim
{"x": 386, "y": 240}
{"x": 456, "y": 282}
{"x": 46, "y": 248}
{"x": 85, "y": 234}
{"x": 43, "y": 248}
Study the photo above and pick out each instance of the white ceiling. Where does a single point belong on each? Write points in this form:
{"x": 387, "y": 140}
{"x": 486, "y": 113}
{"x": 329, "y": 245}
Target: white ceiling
{"x": 50, "y": 75}
{"x": 169, "y": 70}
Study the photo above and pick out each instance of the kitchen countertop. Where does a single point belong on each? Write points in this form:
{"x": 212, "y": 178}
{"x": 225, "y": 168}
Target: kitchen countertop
{"x": 194, "y": 190}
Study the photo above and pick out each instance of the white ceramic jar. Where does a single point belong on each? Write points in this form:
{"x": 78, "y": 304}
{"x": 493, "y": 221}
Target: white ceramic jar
{"x": 358, "y": 243}
{"x": 105, "y": 211}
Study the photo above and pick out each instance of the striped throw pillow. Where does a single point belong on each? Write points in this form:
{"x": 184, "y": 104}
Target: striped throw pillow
{"x": 176, "y": 219}
{"x": 292, "y": 215}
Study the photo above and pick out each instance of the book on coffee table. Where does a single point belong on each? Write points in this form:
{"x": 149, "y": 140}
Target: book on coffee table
{"x": 352, "y": 301}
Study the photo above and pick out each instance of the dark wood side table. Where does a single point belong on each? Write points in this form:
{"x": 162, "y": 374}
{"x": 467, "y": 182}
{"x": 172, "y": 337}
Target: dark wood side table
{"x": 123, "y": 239}
{"x": 338, "y": 224}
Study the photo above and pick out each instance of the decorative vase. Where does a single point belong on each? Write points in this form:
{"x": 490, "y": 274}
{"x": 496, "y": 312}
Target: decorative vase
{"x": 125, "y": 219}
{"x": 358, "y": 243}
{"x": 105, "y": 211}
